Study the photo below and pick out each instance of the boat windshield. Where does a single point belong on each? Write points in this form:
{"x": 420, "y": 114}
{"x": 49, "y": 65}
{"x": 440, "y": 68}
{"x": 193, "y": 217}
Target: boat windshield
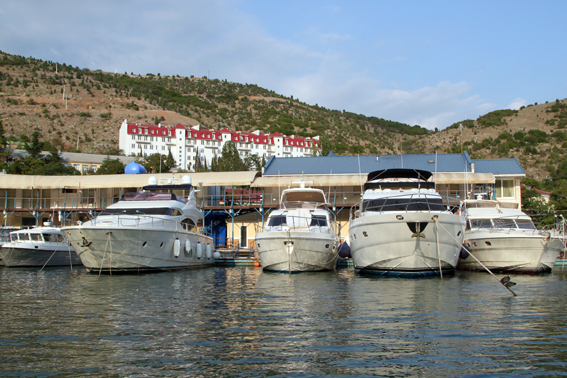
{"x": 522, "y": 224}
{"x": 152, "y": 196}
{"x": 302, "y": 205}
{"x": 404, "y": 204}
{"x": 149, "y": 211}
{"x": 280, "y": 220}
{"x": 53, "y": 237}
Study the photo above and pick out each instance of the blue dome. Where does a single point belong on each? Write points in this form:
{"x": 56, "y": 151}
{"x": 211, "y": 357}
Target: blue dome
{"x": 133, "y": 168}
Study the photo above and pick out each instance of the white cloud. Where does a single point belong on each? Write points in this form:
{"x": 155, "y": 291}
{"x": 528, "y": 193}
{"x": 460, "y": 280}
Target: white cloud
{"x": 517, "y": 104}
{"x": 195, "y": 38}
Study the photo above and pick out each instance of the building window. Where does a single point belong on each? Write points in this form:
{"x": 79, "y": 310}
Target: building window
{"x": 505, "y": 188}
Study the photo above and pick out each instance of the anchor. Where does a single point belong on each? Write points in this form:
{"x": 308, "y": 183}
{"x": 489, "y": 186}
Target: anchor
{"x": 416, "y": 228}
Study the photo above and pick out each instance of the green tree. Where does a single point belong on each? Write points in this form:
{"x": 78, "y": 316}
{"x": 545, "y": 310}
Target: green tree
{"x": 156, "y": 163}
{"x": 111, "y": 167}
{"x": 35, "y": 145}
{"x": 326, "y": 146}
{"x": 253, "y": 163}
{"x": 230, "y": 159}
{"x": 170, "y": 160}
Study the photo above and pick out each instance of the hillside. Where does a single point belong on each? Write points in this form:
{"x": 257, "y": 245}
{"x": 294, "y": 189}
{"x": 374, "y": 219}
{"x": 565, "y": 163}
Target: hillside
{"x": 81, "y": 110}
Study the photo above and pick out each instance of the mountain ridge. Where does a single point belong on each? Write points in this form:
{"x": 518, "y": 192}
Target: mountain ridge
{"x": 81, "y": 110}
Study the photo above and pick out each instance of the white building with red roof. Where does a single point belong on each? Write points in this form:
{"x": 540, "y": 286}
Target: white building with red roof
{"x": 184, "y": 142}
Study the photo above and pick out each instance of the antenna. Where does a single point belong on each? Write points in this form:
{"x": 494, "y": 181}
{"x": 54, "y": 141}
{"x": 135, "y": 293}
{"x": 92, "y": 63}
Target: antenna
{"x": 402, "y": 151}
{"x": 436, "y": 172}
{"x": 360, "y": 175}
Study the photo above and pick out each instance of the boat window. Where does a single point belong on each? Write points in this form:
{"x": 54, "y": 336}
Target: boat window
{"x": 404, "y": 204}
{"x": 504, "y": 223}
{"x": 50, "y": 237}
{"x": 130, "y": 211}
{"x": 525, "y": 224}
{"x": 36, "y": 237}
{"x": 481, "y": 223}
{"x": 318, "y": 220}
{"x": 277, "y": 221}
{"x": 188, "y": 224}
{"x": 176, "y": 212}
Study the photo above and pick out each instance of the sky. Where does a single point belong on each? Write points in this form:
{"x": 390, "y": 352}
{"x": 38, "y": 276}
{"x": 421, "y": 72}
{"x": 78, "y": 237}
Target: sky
{"x": 428, "y": 63}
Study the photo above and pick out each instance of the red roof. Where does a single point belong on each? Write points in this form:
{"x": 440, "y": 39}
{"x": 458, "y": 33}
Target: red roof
{"x": 134, "y": 128}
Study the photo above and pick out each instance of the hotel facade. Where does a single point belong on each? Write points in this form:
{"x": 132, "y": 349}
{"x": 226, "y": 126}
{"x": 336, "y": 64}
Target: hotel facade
{"x": 189, "y": 143}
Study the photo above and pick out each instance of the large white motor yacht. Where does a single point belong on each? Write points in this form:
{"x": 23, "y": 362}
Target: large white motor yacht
{"x": 505, "y": 239}
{"x": 38, "y": 247}
{"x": 154, "y": 229}
{"x": 403, "y": 227}
{"x": 298, "y": 237}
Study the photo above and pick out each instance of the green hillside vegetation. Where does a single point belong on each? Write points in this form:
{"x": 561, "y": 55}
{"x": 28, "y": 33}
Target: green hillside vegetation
{"x": 58, "y": 100}
{"x": 80, "y": 110}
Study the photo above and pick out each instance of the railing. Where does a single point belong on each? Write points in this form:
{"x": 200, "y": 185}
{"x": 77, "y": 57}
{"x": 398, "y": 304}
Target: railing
{"x": 155, "y": 223}
{"x": 251, "y": 199}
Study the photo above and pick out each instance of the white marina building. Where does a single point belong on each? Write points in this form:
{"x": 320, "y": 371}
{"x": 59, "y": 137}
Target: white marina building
{"x": 188, "y": 143}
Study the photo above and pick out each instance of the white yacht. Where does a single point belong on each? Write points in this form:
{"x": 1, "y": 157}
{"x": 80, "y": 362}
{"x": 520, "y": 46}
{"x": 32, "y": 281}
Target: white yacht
{"x": 505, "y": 239}
{"x": 153, "y": 229}
{"x": 403, "y": 227}
{"x": 38, "y": 247}
{"x": 298, "y": 237}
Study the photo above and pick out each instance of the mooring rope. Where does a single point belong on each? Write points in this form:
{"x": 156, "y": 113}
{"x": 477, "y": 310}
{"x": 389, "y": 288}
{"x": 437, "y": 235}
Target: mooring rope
{"x": 108, "y": 241}
{"x": 477, "y": 260}
{"x": 48, "y": 259}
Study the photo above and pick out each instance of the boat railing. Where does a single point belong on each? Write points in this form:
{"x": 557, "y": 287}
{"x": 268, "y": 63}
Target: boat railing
{"x": 302, "y": 223}
{"x": 138, "y": 220}
{"x": 302, "y": 205}
{"x": 507, "y": 224}
{"x": 407, "y": 202}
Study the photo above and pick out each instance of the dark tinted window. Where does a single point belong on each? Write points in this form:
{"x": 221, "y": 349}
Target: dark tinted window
{"x": 318, "y": 220}
{"x": 277, "y": 221}
{"x": 151, "y": 211}
{"x": 404, "y": 204}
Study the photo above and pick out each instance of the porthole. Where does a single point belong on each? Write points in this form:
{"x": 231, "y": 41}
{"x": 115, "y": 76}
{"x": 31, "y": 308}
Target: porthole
{"x": 459, "y": 233}
{"x": 326, "y": 245}
{"x": 258, "y": 245}
{"x": 365, "y": 234}
{"x": 144, "y": 244}
{"x": 488, "y": 243}
{"x": 161, "y": 245}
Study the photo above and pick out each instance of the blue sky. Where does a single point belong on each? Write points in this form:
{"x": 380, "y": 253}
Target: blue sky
{"x": 430, "y": 63}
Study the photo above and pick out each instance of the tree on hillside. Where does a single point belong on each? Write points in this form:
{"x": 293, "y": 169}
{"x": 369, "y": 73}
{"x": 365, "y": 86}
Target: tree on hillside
{"x": 326, "y": 145}
{"x": 4, "y": 154}
{"x": 230, "y": 159}
{"x": 111, "y": 167}
{"x": 156, "y": 163}
{"x": 33, "y": 146}
{"x": 253, "y": 163}
{"x": 170, "y": 160}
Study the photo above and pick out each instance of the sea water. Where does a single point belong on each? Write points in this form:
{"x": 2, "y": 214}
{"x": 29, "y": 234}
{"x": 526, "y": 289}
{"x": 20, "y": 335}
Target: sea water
{"x": 242, "y": 322}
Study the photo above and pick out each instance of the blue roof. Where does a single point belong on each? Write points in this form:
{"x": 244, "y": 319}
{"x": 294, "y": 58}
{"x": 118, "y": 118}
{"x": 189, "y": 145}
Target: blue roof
{"x": 368, "y": 163}
{"x": 499, "y": 166}
{"x": 365, "y": 164}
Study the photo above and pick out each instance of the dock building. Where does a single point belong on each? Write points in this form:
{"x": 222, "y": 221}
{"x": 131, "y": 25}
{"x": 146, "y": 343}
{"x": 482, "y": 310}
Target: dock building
{"x": 237, "y": 203}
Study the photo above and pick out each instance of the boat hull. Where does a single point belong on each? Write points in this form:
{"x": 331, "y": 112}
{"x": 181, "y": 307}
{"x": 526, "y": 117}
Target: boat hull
{"x": 282, "y": 251}
{"x": 38, "y": 257}
{"x": 382, "y": 244}
{"x": 123, "y": 249}
{"x": 505, "y": 252}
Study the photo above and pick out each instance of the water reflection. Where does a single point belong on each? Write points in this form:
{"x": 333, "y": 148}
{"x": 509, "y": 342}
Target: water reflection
{"x": 243, "y": 322}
